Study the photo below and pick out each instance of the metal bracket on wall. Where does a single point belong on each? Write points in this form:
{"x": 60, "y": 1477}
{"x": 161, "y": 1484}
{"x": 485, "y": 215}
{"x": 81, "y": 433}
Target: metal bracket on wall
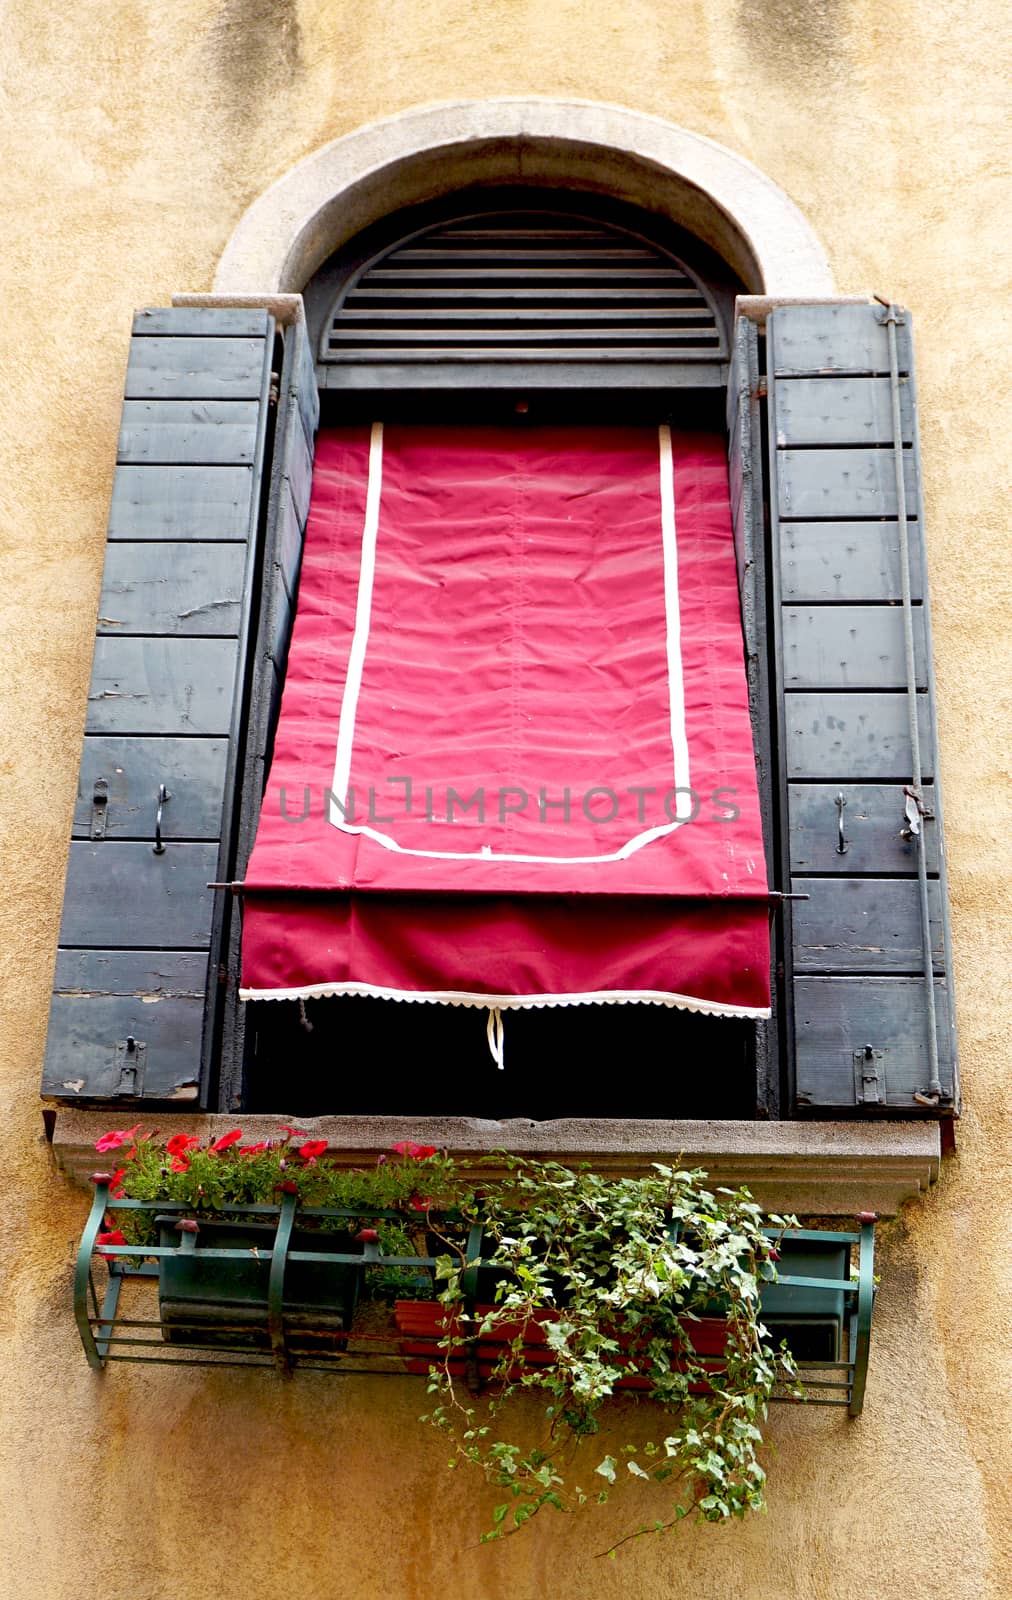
{"x": 99, "y": 808}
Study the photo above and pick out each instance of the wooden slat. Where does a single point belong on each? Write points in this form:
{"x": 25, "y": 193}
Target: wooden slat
{"x": 836, "y": 1016}
{"x": 180, "y": 502}
{"x": 213, "y": 432}
{"x": 566, "y": 276}
{"x": 131, "y": 770}
{"x": 464, "y": 294}
{"x": 814, "y": 339}
{"x": 162, "y": 685}
{"x": 198, "y": 592}
{"x": 862, "y": 925}
{"x": 122, "y": 894}
{"x": 558, "y": 337}
{"x": 873, "y": 824}
{"x": 846, "y": 561}
{"x": 834, "y": 411}
{"x": 600, "y": 320}
{"x": 861, "y": 737}
{"x": 840, "y": 483}
{"x": 208, "y": 322}
{"x": 849, "y": 647}
{"x": 650, "y": 354}
{"x": 289, "y": 542}
{"x": 691, "y": 370}
{"x": 185, "y": 369}
{"x": 102, "y": 997}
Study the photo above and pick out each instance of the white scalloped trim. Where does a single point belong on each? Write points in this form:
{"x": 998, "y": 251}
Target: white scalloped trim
{"x": 511, "y": 1002}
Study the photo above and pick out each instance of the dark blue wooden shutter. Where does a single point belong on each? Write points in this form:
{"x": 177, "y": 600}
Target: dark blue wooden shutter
{"x": 288, "y": 508}
{"x": 746, "y": 475}
{"x": 133, "y": 1010}
{"x": 854, "y": 952}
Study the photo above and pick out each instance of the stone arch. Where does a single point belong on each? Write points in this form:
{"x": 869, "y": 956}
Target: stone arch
{"x": 421, "y": 154}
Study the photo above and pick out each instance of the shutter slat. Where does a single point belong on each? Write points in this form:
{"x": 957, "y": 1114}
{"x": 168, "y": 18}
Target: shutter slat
{"x": 849, "y": 647}
{"x": 117, "y": 792}
{"x": 122, "y": 893}
{"x": 875, "y": 829}
{"x": 162, "y": 685}
{"x": 154, "y": 502}
{"x": 854, "y": 953}
{"x": 845, "y": 562}
{"x": 166, "y": 369}
{"x": 140, "y": 596}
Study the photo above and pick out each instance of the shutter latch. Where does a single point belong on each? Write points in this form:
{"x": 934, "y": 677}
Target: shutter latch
{"x": 869, "y": 1077}
{"x": 99, "y": 808}
{"x": 130, "y": 1058}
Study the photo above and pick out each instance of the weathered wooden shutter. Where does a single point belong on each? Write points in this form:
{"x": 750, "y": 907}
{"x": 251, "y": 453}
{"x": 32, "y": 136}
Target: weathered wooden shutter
{"x": 747, "y": 478}
{"x": 133, "y": 1012}
{"x": 291, "y": 482}
{"x": 854, "y": 953}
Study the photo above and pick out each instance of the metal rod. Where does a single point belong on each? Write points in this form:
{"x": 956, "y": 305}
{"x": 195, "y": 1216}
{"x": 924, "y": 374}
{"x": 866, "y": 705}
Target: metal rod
{"x": 891, "y": 319}
{"x": 861, "y": 1336}
{"x": 276, "y": 1284}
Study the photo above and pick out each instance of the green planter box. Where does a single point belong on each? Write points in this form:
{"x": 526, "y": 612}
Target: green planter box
{"x": 221, "y": 1302}
{"x": 810, "y": 1320}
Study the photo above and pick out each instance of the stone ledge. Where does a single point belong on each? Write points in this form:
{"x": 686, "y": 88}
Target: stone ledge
{"x": 809, "y": 1168}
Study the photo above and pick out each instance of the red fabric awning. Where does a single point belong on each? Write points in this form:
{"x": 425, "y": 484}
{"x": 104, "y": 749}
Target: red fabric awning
{"x": 514, "y": 761}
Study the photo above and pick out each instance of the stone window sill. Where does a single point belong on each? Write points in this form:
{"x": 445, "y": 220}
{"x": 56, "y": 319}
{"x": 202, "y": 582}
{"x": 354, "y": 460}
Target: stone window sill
{"x": 808, "y": 1168}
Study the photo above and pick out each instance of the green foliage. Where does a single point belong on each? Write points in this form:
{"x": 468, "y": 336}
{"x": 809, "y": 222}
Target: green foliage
{"x": 615, "y": 1275}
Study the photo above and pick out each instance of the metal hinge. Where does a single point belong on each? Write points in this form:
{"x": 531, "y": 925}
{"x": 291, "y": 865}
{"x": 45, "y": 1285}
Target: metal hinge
{"x": 761, "y": 389}
{"x": 869, "y": 1077}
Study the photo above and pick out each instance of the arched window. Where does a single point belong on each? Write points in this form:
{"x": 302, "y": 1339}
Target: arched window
{"x": 520, "y": 307}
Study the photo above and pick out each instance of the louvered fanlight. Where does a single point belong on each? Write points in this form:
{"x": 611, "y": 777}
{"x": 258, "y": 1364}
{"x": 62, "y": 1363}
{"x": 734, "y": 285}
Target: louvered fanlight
{"x": 522, "y": 286}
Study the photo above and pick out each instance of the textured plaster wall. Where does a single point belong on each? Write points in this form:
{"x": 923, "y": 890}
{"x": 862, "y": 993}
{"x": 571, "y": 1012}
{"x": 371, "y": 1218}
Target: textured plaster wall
{"x": 134, "y": 135}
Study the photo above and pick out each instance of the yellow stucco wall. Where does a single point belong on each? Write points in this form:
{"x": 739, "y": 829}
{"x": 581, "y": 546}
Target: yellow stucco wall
{"x": 134, "y": 136}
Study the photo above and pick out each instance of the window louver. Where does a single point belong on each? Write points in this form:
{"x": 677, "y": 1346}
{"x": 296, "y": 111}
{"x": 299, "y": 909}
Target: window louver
{"x": 522, "y": 287}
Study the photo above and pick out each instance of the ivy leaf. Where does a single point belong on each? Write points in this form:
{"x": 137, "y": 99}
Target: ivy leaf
{"x": 606, "y": 1468}
{"x": 637, "y": 1471}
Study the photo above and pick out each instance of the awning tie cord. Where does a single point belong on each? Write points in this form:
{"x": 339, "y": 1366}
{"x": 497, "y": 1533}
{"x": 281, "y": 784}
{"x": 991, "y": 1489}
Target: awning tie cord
{"x": 494, "y": 1034}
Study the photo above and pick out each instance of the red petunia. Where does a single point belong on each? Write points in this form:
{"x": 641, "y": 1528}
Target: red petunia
{"x": 114, "y": 1184}
{"x": 112, "y": 1141}
{"x": 254, "y": 1149}
{"x": 415, "y": 1152}
{"x": 312, "y": 1149}
{"x": 226, "y": 1140}
{"x": 114, "y": 1236}
{"x": 421, "y": 1202}
{"x": 293, "y": 1133}
{"x": 181, "y": 1162}
{"x": 180, "y": 1143}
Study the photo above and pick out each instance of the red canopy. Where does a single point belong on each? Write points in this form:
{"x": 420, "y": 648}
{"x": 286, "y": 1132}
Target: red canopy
{"x": 514, "y": 762}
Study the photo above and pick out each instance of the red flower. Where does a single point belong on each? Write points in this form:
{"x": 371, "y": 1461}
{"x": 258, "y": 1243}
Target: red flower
{"x": 112, "y": 1141}
{"x": 114, "y": 1184}
{"x": 254, "y": 1149}
{"x": 293, "y": 1133}
{"x": 421, "y": 1203}
{"x": 314, "y": 1148}
{"x": 180, "y": 1143}
{"x": 114, "y": 1236}
{"x": 226, "y": 1140}
{"x": 414, "y": 1152}
{"x": 181, "y": 1162}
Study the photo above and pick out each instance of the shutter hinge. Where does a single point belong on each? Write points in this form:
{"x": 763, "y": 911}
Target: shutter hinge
{"x": 130, "y": 1060}
{"x": 869, "y": 1077}
{"x": 274, "y": 392}
{"x": 761, "y": 389}
{"x": 99, "y": 808}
